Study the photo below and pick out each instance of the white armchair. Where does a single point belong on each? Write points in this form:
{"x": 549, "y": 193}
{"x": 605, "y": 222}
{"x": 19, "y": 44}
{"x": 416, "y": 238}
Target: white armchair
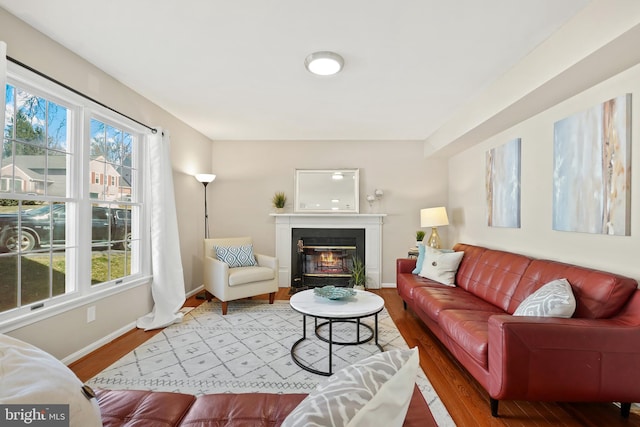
{"x": 228, "y": 284}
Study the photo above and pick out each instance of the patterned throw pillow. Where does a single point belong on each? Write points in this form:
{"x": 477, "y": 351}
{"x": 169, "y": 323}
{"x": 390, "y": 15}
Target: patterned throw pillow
{"x": 555, "y": 299}
{"x": 441, "y": 266}
{"x": 236, "y": 256}
{"x": 373, "y": 392}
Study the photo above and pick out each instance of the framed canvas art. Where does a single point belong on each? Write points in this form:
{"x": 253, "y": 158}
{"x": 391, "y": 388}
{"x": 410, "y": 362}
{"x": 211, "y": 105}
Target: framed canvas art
{"x": 592, "y": 169}
{"x": 503, "y": 185}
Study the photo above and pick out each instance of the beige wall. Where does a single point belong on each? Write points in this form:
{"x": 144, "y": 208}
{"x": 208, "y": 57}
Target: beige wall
{"x": 68, "y": 333}
{"x": 250, "y": 172}
{"x": 536, "y": 237}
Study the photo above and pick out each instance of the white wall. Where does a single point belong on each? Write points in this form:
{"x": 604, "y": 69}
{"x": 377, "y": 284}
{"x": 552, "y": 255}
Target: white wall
{"x": 68, "y": 333}
{"x": 250, "y": 172}
{"x": 536, "y": 237}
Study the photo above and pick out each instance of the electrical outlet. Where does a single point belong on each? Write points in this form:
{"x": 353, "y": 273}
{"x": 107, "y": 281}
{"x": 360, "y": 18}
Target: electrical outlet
{"x": 91, "y": 314}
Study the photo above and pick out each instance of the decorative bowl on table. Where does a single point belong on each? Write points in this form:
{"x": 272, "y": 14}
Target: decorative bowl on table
{"x": 333, "y": 292}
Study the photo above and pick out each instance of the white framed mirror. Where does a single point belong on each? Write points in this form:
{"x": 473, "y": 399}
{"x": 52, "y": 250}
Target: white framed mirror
{"x": 327, "y": 191}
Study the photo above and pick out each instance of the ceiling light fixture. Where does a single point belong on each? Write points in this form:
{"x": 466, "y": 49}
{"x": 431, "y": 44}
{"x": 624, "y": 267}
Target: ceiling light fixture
{"x": 324, "y": 63}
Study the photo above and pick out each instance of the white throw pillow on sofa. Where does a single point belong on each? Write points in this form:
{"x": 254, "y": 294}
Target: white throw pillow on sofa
{"x": 30, "y": 376}
{"x": 554, "y": 299}
{"x": 421, "y": 255}
{"x": 441, "y": 266}
{"x": 373, "y": 392}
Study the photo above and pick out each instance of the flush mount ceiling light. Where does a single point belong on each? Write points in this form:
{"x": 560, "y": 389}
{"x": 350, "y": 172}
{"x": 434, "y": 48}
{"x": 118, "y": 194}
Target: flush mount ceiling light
{"x": 324, "y": 63}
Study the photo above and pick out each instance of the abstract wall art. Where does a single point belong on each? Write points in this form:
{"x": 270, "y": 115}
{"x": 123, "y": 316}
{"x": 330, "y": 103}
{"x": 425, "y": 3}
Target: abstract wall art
{"x": 592, "y": 169}
{"x": 503, "y": 185}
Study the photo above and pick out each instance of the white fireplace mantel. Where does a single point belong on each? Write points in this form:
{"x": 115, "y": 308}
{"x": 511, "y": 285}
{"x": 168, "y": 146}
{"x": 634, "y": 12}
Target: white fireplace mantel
{"x": 371, "y": 223}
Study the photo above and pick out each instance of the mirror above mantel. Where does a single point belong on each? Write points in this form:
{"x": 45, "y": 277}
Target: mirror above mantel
{"x": 327, "y": 191}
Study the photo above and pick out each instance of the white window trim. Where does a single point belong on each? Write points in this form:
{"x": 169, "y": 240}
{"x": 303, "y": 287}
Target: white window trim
{"x": 81, "y": 291}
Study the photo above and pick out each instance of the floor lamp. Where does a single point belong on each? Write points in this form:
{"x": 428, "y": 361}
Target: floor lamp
{"x": 205, "y": 179}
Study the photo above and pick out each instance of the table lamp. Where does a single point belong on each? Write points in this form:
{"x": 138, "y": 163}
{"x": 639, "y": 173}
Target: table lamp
{"x": 433, "y": 217}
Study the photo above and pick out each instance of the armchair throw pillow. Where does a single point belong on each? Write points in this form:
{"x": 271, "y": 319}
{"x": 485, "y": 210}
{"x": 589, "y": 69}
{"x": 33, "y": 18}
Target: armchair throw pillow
{"x": 236, "y": 256}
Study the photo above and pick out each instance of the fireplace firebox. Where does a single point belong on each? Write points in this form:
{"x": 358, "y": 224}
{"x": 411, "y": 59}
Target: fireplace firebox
{"x": 324, "y": 256}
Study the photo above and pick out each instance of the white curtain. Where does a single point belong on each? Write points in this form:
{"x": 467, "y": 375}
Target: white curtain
{"x": 167, "y": 287}
{"x": 3, "y": 80}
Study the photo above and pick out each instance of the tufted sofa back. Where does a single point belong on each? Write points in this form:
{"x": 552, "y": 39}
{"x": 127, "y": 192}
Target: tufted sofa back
{"x": 490, "y": 274}
{"x": 599, "y": 295}
{"x": 505, "y": 279}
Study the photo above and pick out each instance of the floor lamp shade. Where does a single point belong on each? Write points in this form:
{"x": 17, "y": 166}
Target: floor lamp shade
{"x": 205, "y": 178}
{"x": 434, "y": 218}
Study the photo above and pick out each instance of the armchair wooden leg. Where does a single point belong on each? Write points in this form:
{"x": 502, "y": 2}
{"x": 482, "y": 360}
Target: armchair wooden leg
{"x": 225, "y": 305}
{"x": 272, "y": 297}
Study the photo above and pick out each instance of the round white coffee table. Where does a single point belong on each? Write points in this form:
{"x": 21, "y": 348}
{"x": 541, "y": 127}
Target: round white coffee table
{"x": 347, "y": 310}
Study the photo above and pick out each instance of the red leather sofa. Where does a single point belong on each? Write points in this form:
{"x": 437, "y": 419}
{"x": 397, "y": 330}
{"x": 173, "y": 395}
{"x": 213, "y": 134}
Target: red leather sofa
{"x": 592, "y": 357}
{"x": 129, "y": 408}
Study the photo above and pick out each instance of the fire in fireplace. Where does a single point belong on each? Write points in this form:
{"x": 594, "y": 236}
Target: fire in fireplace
{"x": 324, "y": 256}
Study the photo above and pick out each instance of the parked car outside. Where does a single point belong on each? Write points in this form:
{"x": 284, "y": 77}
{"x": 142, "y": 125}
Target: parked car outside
{"x": 46, "y": 225}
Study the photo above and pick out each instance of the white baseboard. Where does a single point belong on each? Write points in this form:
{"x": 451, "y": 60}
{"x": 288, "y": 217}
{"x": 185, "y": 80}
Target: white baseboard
{"x": 112, "y": 336}
{"x": 97, "y": 344}
{"x": 389, "y": 285}
{"x": 195, "y": 291}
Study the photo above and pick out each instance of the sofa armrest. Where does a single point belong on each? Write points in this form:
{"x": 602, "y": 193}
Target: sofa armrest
{"x": 533, "y": 358}
{"x": 405, "y": 265}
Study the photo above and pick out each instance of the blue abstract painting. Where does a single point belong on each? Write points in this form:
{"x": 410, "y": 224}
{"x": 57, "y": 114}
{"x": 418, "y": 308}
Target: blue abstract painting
{"x": 592, "y": 169}
{"x": 503, "y": 185}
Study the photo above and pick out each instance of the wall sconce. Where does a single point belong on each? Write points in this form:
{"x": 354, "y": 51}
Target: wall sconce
{"x": 375, "y": 197}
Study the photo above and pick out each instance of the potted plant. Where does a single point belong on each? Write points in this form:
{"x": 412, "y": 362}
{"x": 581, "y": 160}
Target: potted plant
{"x": 358, "y": 278}
{"x": 419, "y": 237}
{"x": 279, "y": 200}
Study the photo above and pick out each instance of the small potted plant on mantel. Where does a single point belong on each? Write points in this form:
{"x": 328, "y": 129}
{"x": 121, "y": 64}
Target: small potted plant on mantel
{"x": 358, "y": 278}
{"x": 419, "y": 237}
{"x": 279, "y": 200}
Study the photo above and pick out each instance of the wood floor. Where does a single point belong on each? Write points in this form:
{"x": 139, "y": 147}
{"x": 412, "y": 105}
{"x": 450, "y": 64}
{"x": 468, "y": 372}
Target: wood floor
{"x": 465, "y": 400}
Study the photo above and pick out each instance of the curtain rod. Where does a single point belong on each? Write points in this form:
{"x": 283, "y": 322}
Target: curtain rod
{"x": 77, "y": 92}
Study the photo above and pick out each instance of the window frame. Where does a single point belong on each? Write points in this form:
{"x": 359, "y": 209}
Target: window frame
{"x": 78, "y": 288}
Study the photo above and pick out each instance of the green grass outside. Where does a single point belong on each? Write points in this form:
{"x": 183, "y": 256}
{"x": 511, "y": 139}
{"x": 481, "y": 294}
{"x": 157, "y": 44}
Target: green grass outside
{"x": 36, "y": 273}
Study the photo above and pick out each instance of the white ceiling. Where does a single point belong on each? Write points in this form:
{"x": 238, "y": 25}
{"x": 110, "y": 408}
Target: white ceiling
{"x": 234, "y": 69}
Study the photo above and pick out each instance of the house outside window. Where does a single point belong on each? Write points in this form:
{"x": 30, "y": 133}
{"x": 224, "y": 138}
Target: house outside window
{"x": 64, "y": 233}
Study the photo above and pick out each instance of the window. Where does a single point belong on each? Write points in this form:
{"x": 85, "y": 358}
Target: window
{"x": 112, "y": 150}
{"x": 64, "y": 231}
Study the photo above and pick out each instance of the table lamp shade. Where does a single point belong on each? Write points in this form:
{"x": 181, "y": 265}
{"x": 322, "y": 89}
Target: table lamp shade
{"x": 433, "y": 217}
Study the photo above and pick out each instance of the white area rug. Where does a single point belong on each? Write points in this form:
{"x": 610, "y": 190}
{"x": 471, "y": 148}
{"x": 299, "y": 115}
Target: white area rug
{"x": 248, "y": 350}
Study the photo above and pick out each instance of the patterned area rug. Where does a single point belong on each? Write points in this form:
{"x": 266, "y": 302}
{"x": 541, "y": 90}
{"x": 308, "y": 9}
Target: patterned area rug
{"x": 248, "y": 350}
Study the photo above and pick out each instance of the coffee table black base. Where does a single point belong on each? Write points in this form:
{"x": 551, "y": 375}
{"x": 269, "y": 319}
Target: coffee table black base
{"x": 331, "y": 342}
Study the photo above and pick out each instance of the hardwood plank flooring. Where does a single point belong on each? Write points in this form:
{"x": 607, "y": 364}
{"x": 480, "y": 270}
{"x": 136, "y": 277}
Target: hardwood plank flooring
{"x": 465, "y": 399}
